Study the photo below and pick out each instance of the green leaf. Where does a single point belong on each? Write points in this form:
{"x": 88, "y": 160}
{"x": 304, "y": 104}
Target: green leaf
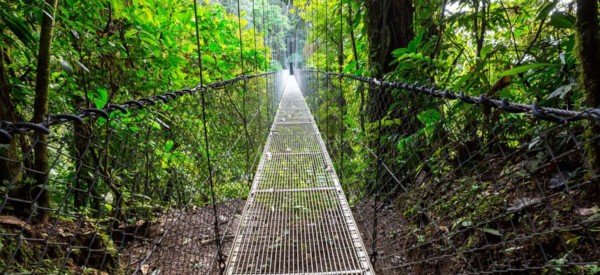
{"x": 525, "y": 68}
{"x": 130, "y": 33}
{"x": 100, "y": 98}
{"x": 562, "y": 91}
{"x": 545, "y": 10}
{"x": 413, "y": 44}
{"x": 17, "y": 26}
{"x": 429, "y": 117}
{"x": 169, "y": 145}
{"x": 399, "y": 52}
{"x": 151, "y": 42}
{"x": 65, "y": 65}
{"x": 82, "y": 66}
{"x": 350, "y": 66}
{"x": 562, "y": 20}
{"x": 486, "y": 50}
{"x": 491, "y": 231}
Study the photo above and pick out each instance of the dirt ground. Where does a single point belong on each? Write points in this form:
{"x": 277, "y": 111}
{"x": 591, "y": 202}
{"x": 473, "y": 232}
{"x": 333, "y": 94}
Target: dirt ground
{"x": 384, "y": 261}
{"x": 189, "y": 246}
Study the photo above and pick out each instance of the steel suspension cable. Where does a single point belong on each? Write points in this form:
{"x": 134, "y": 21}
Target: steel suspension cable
{"x": 239, "y": 14}
{"x": 254, "y": 36}
{"x": 265, "y": 43}
{"x": 244, "y": 118}
{"x": 218, "y": 244}
{"x": 341, "y": 96}
{"x": 314, "y": 50}
{"x": 327, "y": 69}
{"x": 259, "y": 124}
{"x": 316, "y": 89}
{"x": 551, "y": 114}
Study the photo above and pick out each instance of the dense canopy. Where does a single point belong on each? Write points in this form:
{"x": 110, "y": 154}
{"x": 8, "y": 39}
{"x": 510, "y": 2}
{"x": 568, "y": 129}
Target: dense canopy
{"x": 121, "y": 119}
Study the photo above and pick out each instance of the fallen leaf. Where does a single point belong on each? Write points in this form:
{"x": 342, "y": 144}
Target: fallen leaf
{"x": 511, "y": 249}
{"x": 443, "y": 228}
{"x": 557, "y": 181}
{"x": 586, "y": 211}
{"x": 521, "y": 203}
{"x": 94, "y": 271}
{"x": 491, "y": 231}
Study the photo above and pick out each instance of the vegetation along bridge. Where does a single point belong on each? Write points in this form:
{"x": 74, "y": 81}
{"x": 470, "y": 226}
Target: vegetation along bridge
{"x": 314, "y": 137}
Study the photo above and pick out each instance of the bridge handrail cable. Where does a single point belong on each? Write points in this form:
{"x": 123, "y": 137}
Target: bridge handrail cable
{"x": 541, "y": 112}
{"x": 9, "y": 128}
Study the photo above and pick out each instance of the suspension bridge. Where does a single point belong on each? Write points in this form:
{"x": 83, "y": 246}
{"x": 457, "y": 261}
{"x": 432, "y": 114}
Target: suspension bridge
{"x": 297, "y": 219}
{"x": 319, "y": 173}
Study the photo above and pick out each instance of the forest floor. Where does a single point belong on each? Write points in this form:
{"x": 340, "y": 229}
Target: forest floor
{"x": 189, "y": 245}
{"x": 389, "y": 221}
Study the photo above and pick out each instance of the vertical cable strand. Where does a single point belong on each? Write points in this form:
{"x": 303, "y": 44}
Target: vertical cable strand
{"x": 202, "y": 91}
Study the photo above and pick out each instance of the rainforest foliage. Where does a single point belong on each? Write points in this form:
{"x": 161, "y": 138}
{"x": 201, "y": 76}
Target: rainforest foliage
{"x": 108, "y": 51}
{"x": 452, "y": 166}
{"x": 67, "y": 56}
{"x": 520, "y": 51}
{"x": 117, "y": 171}
{"x": 112, "y": 51}
{"x": 527, "y": 47}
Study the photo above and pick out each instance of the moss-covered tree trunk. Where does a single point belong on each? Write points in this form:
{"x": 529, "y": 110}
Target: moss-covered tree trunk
{"x": 41, "y": 109}
{"x": 389, "y": 26}
{"x": 588, "y": 47}
{"x": 9, "y": 165}
{"x": 82, "y": 180}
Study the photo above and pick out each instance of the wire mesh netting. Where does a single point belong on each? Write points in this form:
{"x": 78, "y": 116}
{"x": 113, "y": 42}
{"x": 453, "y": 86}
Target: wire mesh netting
{"x": 127, "y": 189}
{"x": 297, "y": 219}
{"x": 446, "y": 183}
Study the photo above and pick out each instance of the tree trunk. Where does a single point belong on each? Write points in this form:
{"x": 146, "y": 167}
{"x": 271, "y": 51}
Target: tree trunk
{"x": 9, "y": 170}
{"x": 588, "y": 43}
{"x": 82, "y": 179}
{"x": 389, "y": 26}
{"x": 41, "y": 108}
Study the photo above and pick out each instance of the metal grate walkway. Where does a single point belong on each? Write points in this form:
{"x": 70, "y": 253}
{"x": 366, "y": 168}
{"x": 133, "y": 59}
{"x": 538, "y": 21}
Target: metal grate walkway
{"x": 297, "y": 219}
